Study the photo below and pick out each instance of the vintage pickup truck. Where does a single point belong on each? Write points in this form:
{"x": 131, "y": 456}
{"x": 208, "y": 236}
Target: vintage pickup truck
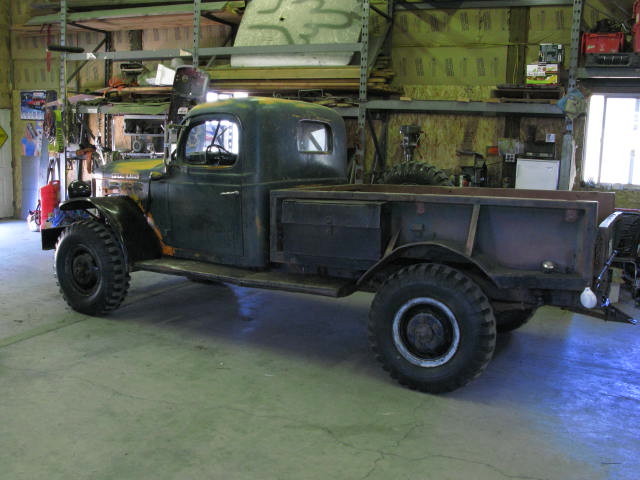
{"x": 254, "y": 195}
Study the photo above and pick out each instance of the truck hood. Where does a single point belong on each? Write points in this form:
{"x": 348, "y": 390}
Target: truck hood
{"x": 134, "y": 169}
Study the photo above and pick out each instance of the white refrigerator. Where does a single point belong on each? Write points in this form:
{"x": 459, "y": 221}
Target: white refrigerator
{"x": 537, "y": 174}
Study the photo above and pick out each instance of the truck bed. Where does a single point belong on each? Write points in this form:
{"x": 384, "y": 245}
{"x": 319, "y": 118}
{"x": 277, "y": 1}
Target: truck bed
{"x": 507, "y": 233}
{"x": 605, "y": 200}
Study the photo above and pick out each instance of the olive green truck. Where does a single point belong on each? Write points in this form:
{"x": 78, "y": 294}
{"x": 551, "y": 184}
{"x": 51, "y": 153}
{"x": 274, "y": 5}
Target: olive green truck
{"x": 255, "y": 194}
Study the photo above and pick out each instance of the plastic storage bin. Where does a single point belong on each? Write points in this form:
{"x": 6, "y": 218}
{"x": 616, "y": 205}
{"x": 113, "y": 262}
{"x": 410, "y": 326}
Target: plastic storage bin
{"x": 602, "y": 42}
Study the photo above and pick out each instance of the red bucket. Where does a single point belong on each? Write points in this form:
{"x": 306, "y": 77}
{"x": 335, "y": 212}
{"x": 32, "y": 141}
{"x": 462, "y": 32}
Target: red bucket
{"x": 49, "y": 200}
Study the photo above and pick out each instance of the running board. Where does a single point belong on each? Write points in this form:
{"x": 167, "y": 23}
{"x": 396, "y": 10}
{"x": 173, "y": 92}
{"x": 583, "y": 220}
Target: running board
{"x": 315, "y": 285}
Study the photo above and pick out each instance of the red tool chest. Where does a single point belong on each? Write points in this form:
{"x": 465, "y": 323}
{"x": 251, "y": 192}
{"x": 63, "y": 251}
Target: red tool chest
{"x": 602, "y": 42}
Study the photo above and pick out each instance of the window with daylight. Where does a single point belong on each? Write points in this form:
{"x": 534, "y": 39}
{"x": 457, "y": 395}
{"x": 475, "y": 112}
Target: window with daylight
{"x": 612, "y": 149}
{"x": 214, "y": 142}
{"x": 314, "y": 137}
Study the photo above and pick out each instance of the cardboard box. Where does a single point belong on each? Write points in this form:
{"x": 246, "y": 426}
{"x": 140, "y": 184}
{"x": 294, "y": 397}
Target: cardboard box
{"x": 543, "y": 74}
{"x": 549, "y": 25}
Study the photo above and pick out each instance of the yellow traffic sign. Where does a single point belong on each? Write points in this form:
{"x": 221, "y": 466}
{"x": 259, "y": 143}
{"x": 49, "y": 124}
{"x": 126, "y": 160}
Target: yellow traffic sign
{"x": 3, "y": 137}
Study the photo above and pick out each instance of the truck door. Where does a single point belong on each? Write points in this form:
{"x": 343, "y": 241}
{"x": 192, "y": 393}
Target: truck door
{"x": 205, "y": 191}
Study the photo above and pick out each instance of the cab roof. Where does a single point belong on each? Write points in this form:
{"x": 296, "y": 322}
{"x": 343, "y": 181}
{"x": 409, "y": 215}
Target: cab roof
{"x": 274, "y": 107}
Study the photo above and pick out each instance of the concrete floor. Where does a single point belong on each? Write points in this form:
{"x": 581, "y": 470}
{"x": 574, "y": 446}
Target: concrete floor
{"x": 191, "y": 381}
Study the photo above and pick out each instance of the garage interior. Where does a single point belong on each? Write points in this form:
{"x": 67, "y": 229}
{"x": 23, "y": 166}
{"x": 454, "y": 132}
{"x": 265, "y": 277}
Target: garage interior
{"x": 192, "y": 379}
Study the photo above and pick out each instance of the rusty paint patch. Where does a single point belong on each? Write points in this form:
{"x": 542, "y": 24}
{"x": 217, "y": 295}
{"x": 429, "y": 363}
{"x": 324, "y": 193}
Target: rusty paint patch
{"x": 166, "y": 249}
{"x": 258, "y": 223}
{"x": 571, "y": 216}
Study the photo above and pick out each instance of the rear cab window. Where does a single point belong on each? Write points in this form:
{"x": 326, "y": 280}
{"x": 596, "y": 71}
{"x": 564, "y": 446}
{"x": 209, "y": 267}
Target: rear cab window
{"x": 314, "y": 137}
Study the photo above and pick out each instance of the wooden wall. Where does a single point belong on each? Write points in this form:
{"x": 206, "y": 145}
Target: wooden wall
{"x": 462, "y": 55}
{"x": 436, "y": 54}
{"x": 32, "y": 69}
{"x": 5, "y": 55}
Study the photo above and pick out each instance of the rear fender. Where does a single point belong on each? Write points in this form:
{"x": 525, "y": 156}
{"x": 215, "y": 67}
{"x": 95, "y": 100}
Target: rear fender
{"x": 425, "y": 252}
{"x": 126, "y": 220}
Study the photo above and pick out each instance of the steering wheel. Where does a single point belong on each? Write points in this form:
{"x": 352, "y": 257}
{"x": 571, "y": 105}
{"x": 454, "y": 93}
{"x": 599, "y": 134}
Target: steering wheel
{"x": 221, "y": 157}
{"x": 219, "y": 147}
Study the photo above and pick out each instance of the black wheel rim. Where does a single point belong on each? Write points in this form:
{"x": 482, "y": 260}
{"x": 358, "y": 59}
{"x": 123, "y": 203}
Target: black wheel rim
{"x": 426, "y": 332}
{"x": 85, "y": 270}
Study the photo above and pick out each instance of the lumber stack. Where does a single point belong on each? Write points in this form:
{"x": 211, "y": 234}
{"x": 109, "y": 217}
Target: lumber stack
{"x": 283, "y": 79}
{"x": 528, "y": 93}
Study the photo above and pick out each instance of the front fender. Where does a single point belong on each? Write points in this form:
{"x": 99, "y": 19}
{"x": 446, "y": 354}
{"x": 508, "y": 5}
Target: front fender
{"x": 127, "y": 221}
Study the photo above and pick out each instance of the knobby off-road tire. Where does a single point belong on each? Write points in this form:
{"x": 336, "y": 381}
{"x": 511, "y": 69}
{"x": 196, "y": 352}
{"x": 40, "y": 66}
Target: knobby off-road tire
{"x": 432, "y": 328}
{"x": 415, "y": 173}
{"x": 90, "y": 268}
{"x": 510, "y": 320}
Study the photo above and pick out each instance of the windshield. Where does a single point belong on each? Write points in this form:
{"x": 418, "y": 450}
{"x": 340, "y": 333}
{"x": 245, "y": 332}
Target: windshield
{"x": 213, "y": 142}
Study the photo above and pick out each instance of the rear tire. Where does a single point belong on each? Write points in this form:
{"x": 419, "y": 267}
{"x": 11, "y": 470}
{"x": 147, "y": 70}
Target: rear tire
{"x": 415, "y": 173}
{"x": 510, "y": 320}
{"x": 432, "y": 328}
{"x": 90, "y": 268}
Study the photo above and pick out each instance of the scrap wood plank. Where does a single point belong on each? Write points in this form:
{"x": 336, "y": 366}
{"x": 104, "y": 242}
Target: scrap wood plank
{"x": 79, "y": 4}
{"x": 272, "y": 86}
{"x": 283, "y": 73}
{"x": 137, "y": 90}
{"x": 548, "y": 92}
{"x": 158, "y": 16}
{"x": 290, "y": 83}
{"x": 549, "y": 101}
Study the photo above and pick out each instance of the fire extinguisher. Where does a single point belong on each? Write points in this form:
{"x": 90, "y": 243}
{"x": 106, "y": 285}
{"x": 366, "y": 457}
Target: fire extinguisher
{"x": 49, "y": 197}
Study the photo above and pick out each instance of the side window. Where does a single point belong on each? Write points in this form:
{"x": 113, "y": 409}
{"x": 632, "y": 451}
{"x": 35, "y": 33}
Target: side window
{"x": 214, "y": 142}
{"x": 314, "y": 137}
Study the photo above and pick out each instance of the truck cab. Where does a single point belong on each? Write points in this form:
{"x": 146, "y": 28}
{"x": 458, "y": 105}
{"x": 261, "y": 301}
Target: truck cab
{"x": 213, "y": 201}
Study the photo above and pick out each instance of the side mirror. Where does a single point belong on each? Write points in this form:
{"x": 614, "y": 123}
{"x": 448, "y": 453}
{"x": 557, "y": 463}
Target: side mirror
{"x": 154, "y": 176}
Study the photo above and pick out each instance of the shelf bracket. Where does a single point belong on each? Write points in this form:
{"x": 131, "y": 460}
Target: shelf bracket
{"x": 381, "y": 13}
{"x": 576, "y": 23}
{"x": 197, "y": 15}
{"x": 358, "y": 162}
{"x": 84, "y": 64}
{"x": 84, "y": 27}
{"x": 222, "y": 21}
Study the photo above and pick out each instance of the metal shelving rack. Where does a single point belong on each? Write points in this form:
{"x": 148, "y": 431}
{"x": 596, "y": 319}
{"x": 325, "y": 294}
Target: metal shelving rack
{"x": 486, "y": 108}
{"x": 361, "y": 48}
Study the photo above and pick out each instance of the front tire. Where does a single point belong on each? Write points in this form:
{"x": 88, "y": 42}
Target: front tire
{"x": 432, "y": 328}
{"x": 91, "y": 268}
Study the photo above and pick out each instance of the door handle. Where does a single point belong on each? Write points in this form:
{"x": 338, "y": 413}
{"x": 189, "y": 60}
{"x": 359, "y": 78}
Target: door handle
{"x": 227, "y": 194}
